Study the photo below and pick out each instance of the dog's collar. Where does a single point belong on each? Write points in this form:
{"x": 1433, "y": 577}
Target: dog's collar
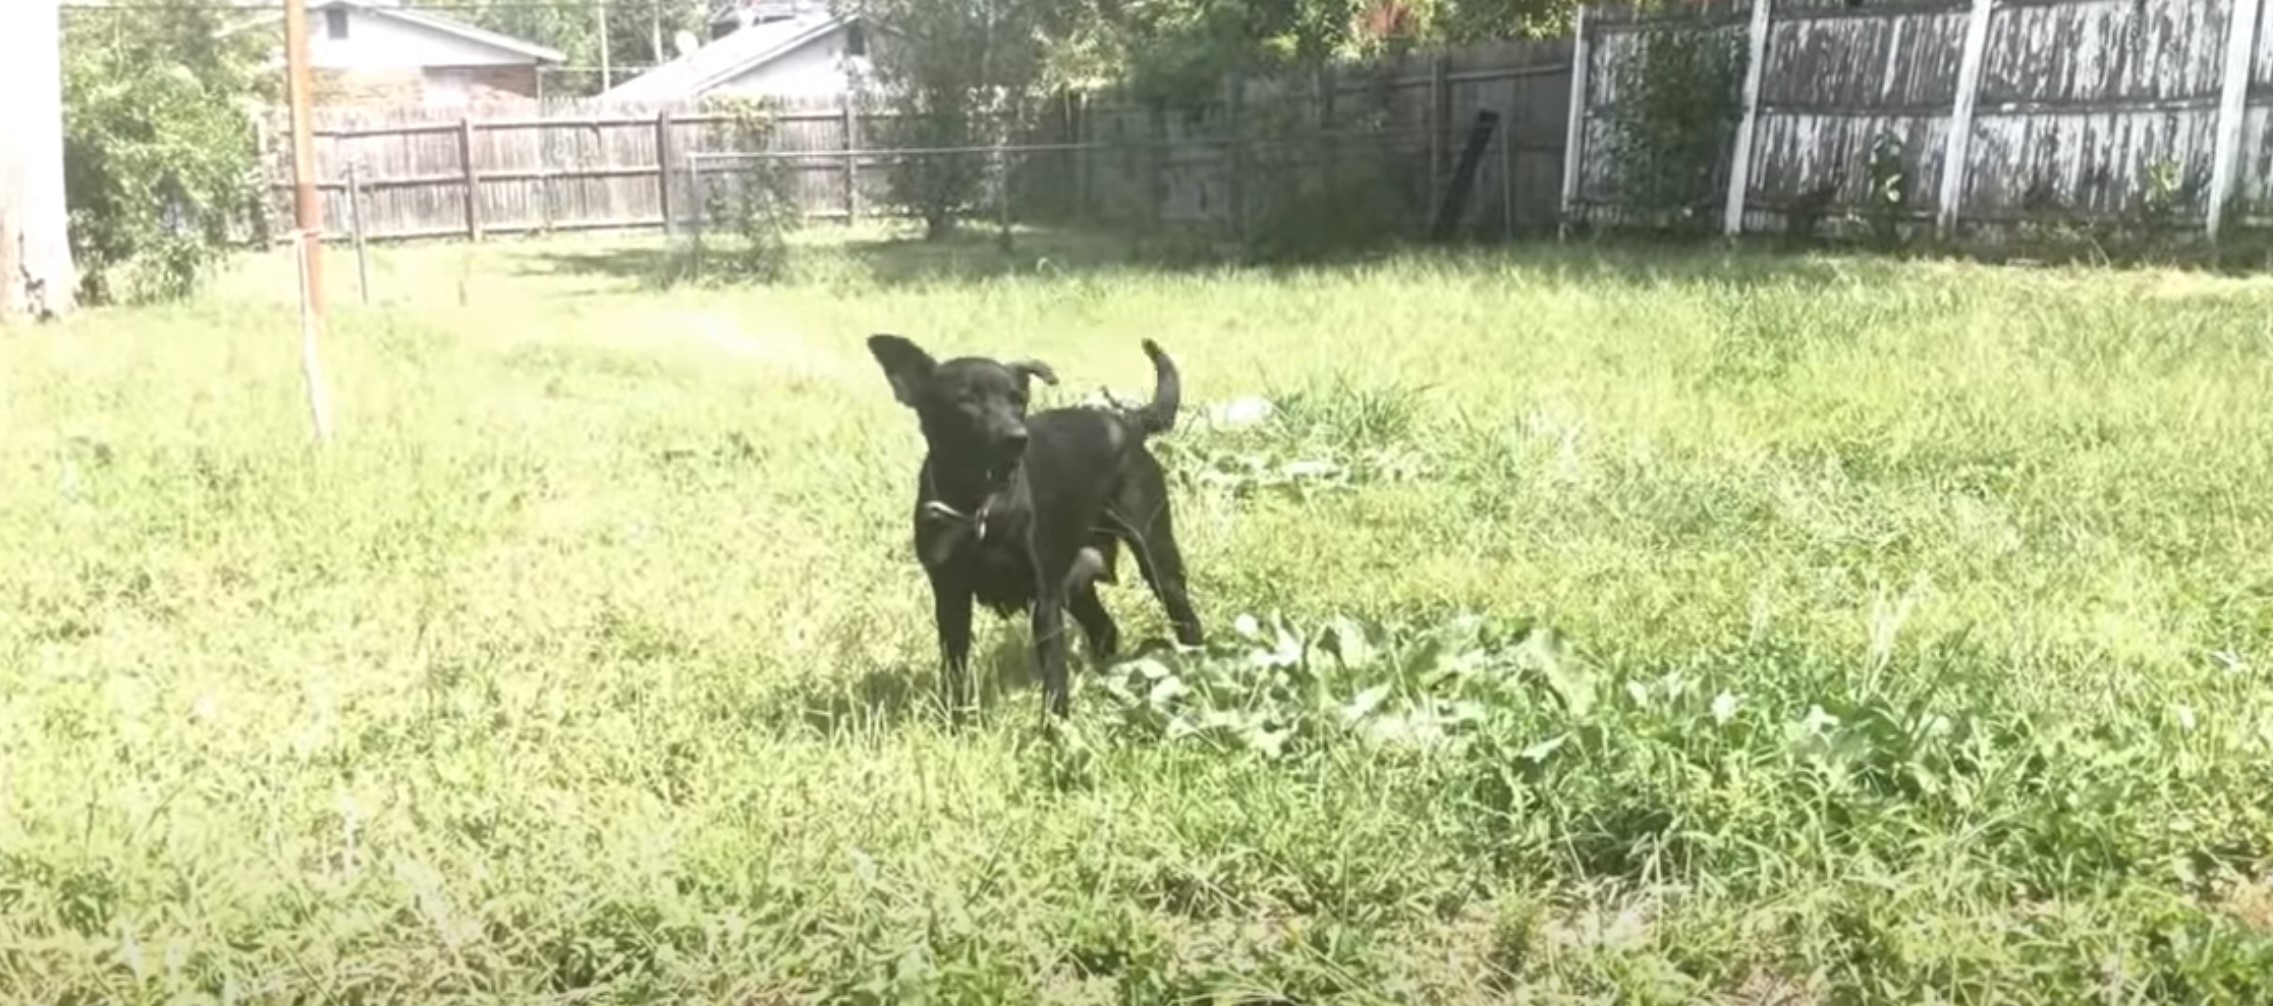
{"x": 977, "y": 519}
{"x": 936, "y": 509}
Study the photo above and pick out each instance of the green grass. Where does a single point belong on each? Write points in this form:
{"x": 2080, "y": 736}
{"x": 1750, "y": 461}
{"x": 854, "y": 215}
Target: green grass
{"x": 1844, "y": 631}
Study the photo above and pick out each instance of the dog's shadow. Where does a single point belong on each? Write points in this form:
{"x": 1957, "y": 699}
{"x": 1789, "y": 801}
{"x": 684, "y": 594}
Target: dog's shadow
{"x": 888, "y": 695}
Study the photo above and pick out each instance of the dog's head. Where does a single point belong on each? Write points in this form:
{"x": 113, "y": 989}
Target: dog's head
{"x": 973, "y": 409}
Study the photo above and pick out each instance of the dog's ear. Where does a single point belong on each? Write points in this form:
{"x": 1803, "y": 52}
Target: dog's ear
{"x": 1030, "y": 369}
{"x": 905, "y": 365}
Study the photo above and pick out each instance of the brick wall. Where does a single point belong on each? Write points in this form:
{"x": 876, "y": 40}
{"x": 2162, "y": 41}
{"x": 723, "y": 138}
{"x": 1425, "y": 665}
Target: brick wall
{"x": 369, "y": 87}
{"x": 431, "y": 85}
{"x": 496, "y": 83}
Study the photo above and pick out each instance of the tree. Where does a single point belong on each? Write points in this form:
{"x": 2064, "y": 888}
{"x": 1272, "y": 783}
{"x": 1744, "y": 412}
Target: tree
{"x": 1476, "y": 20}
{"x": 957, "y": 73}
{"x": 1177, "y": 52}
{"x": 158, "y": 143}
{"x": 640, "y": 32}
{"x": 36, "y": 273}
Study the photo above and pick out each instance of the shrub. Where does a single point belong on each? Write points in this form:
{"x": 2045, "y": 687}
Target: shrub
{"x": 1679, "y": 100}
{"x": 752, "y": 201}
{"x": 1321, "y": 185}
{"x": 158, "y": 147}
{"x": 955, "y": 73}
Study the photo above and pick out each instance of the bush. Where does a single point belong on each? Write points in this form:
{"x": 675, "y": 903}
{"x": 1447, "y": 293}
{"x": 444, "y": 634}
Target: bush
{"x": 753, "y": 201}
{"x": 158, "y": 147}
{"x": 939, "y": 189}
{"x": 1319, "y": 186}
{"x": 1679, "y": 100}
{"x": 955, "y": 73}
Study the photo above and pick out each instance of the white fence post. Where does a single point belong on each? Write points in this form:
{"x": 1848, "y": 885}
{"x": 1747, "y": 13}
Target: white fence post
{"x": 2233, "y": 107}
{"x": 1574, "y": 135}
{"x": 1740, "y": 164}
{"x": 1961, "y": 116}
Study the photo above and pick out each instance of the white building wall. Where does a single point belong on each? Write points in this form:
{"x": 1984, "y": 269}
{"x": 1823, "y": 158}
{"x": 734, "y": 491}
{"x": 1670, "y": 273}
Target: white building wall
{"x": 377, "y": 42}
{"x": 813, "y": 70}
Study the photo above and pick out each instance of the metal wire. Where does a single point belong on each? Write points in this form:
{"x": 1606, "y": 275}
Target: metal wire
{"x": 1023, "y": 148}
{"x": 152, "y": 6}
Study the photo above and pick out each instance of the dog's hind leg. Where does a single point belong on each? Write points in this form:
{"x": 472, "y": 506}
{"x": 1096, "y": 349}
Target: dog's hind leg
{"x": 1081, "y": 599}
{"x": 1062, "y": 558}
{"x": 1096, "y": 623}
{"x": 1151, "y": 534}
{"x": 1163, "y": 566}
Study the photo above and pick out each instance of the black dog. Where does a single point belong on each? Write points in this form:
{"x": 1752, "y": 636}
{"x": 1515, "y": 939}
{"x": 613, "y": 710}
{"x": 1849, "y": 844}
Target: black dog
{"x": 1019, "y": 511}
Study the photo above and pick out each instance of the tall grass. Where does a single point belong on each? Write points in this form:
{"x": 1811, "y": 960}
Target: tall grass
{"x": 1624, "y": 627}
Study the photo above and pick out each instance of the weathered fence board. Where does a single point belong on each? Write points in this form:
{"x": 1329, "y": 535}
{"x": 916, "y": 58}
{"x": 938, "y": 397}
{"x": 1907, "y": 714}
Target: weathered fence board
{"x": 1620, "y": 37}
{"x": 2082, "y": 110}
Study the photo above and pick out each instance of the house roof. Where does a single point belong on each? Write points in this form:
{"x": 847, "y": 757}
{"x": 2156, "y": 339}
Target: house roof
{"x": 723, "y": 60}
{"x": 430, "y": 21}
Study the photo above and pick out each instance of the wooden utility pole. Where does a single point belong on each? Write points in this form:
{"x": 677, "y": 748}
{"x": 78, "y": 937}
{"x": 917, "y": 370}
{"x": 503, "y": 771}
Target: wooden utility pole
{"x": 36, "y": 273}
{"x": 307, "y": 205}
{"x": 307, "y": 212}
{"x": 600, "y": 18}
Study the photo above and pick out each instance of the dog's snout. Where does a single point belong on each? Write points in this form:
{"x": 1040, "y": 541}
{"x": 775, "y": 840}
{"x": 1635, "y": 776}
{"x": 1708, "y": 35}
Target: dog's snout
{"x": 1014, "y": 439}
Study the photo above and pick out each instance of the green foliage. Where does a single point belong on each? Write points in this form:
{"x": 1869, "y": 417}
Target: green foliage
{"x": 1320, "y": 185}
{"x": 633, "y": 29}
{"x": 2171, "y": 192}
{"x": 955, "y": 74}
{"x": 1177, "y": 52}
{"x": 1886, "y": 198}
{"x": 1889, "y": 189}
{"x": 1284, "y": 691}
{"x": 1315, "y": 441}
{"x": 753, "y": 202}
{"x": 1477, "y": 20}
{"x": 952, "y": 181}
{"x": 1679, "y": 100}
{"x": 158, "y": 146}
{"x": 2158, "y": 220}
{"x": 965, "y": 73}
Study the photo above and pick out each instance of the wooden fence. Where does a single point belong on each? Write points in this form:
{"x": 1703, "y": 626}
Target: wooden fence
{"x": 2000, "y": 111}
{"x": 2005, "y": 111}
{"x": 417, "y": 172}
{"x": 1409, "y": 115}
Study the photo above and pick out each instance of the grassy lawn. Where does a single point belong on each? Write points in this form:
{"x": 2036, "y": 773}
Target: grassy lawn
{"x": 1624, "y": 627}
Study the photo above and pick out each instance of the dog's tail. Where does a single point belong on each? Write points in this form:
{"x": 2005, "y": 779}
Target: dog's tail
{"x": 1167, "y": 392}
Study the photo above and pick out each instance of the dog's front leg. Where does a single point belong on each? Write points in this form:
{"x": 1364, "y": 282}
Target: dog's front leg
{"x": 1054, "y": 544}
{"x": 1050, "y": 647}
{"x": 951, "y": 609}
